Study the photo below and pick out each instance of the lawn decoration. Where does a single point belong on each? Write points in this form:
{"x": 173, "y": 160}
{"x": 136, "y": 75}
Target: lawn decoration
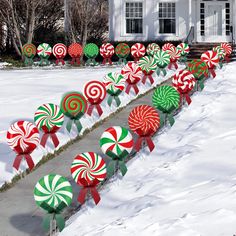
{"x": 75, "y": 51}
{"x": 59, "y": 51}
{"x": 44, "y": 51}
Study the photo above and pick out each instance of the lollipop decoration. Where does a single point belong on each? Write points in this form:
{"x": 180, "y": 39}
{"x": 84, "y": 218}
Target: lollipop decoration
{"x": 53, "y": 193}
{"x": 148, "y": 65}
{"x": 59, "y": 51}
{"x": 75, "y": 51}
{"x": 168, "y": 47}
{"x": 212, "y": 59}
{"x": 23, "y": 138}
{"x": 138, "y": 51}
{"x": 107, "y": 51}
{"x": 199, "y": 69}
{"x": 152, "y": 49}
{"x": 174, "y": 57}
{"x": 74, "y": 106}
{"x": 29, "y": 51}
{"x": 133, "y": 74}
{"x": 166, "y": 99}
{"x": 221, "y": 54}
{"x": 184, "y": 50}
{"x": 184, "y": 82}
{"x": 122, "y": 51}
{"x": 44, "y": 51}
{"x": 162, "y": 60}
{"x": 95, "y": 92}
{"x": 117, "y": 143}
{"x": 91, "y": 51}
{"x": 88, "y": 170}
{"x": 49, "y": 118}
{"x": 144, "y": 121}
{"x": 115, "y": 84}
{"x": 228, "y": 50}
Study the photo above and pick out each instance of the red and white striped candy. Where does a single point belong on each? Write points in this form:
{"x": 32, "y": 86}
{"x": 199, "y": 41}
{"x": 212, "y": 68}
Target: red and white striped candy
{"x": 183, "y": 81}
{"x": 174, "y": 54}
{"x": 59, "y": 50}
{"x": 211, "y": 58}
{"x": 107, "y": 50}
{"x": 138, "y": 50}
{"x": 95, "y": 90}
{"x": 227, "y": 47}
{"x": 167, "y": 47}
{"x": 132, "y": 73}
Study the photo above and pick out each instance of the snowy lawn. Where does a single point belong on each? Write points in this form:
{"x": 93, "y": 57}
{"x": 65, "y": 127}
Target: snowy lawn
{"x": 187, "y": 186}
{"x": 23, "y": 91}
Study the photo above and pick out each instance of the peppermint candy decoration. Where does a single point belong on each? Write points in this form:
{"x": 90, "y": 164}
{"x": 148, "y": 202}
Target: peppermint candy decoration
{"x": 88, "y": 166}
{"x": 116, "y": 139}
{"x": 227, "y": 47}
{"x": 132, "y": 73}
{"x": 138, "y": 51}
{"x": 44, "y": 50}
{"x": 220, "y": 51}
{"x": 211, "y": 58}
{"x": 198, "y": 68}
{"x": 147, "y": 64}
{"x": 49, "y": 117}
{"x": 162, "y": 59}
{"x": 183, "y": 48}
{"x": 174, "y": 54}
{"x": 53, "y": 190}
{"x": 107, "y": 50}
{"x": 95, "y": 90}
{"x": 152, "y": 49}
{"x": 75, "y": 50}
{"x": 168, "y": 47}
{"x": 29, "y": 50}
{"x": 59, "y": 50}
{"x": 114, "y": 82}
{"x": 122, "y": 50}
{"x": 91, "y": 50}
{"x": 23, "y": 137}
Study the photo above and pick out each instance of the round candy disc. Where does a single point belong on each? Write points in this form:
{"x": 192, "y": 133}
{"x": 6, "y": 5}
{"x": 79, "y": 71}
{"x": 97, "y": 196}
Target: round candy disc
{"x": 147, "y": 64}
{"x": 49, "y": 117}
{"x": 44, "y": 50}
{"x": 122, "y": 50}
{"x": 167, "y": 47}
{"x": 59, "y": 50}
{"x": 183, "y": 48}
{"x": 138, "y": 50}
{"x": 145, "y": 118}
{"x": 95, "y": 90}
{"x": 132, "y": 73}
{"x": 116, "y": 139}
{"x": 174, "y": 54}
{"x": 220, "y": 51}
{"x": 89, "y": 166}
{"x": 211, "y": 58}
{"x": 198, "y": 68}
{"x": 91, "y": 50}
{"x": 107, "y": 50}
{"x": 183, "y": 81}
{"x": 227, "y": 47}
{"x": 23, "y": 137}
{"x": 166, "y": 98}
{"x": 162, "y": 59}
{"x": 53, "y": 189}
{"x": 152, "y": 49}
{"x": 29, "y": 50}
{"x": 114, "y": 82}
{"x": 75, "y": 50}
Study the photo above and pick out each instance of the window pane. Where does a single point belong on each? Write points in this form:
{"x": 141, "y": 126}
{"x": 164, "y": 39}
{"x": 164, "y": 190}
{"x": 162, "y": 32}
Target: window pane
{"x": 134, "y": 26}
{"x": 167, "y": 26}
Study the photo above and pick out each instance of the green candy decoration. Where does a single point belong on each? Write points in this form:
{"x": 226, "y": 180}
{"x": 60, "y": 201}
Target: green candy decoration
{"x": 91, "y": 51}
{"x": 152, "y": 49}
{"x": 147, "y": 64}
{"x": 221, "y": 54}
{"x": 122, "y": 51}
{"x": 53, "y": 193}
{"x": 162, "y": 60}
{"x": 166, "y": 99}
{"x": 44, "y": 51}
{"x": 29, "y": 51}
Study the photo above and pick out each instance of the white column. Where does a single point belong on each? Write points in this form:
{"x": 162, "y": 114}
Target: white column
{"x": 190, "y": 13}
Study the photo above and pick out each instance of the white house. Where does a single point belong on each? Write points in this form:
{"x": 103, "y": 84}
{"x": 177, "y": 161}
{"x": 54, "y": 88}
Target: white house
{"x": 202, "y": 20}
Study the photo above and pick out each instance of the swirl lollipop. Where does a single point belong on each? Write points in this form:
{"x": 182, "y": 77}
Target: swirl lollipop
{"x": 133, "y": 74}
{"x": 148, "y": 65}
{"x": 184, "y": 82}
{"x": 117, "y": 143}
{"x": 167, "y": 47}
{"x": 74, "y": 106}
{"x": 115, "y": 84}
{"x": 174, "y": 57}
{"x": 95, "y": 92}
{"x": 44, "y": 51}
{"x": 221, "y": 54}
{"x": 184, "y": 50}
{"x": 75, "y": 51}
{"x": 228, "y": 50}
{"x": 23, "y": 138}
{"x": 53, "y": 193}
{"x": 29, "y": 51}
{"x": 166, "y": 99}
{"x": 152, "y": 49}
{"x": 122, "y": 51}
{"x": 212, "y": 59}
{"x": 59, "y": 51}
{"x": 137, "y": 51}
{"x": 199, "y": 69}
{"x": 88, "y": 169}
{"x": 91, "y": 51}
{"x": 107, "y": 51}
{"x": 162, "y": 61}
{"x": 49, "y": 118}
{"x": 144, "y": 121}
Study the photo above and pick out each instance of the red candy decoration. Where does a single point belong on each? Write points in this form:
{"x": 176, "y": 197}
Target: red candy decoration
{"x": 107, "y": 50}
{"x": 228, "y": 50}
{"x": 212, "y": 59}
{"x": 75, "y": 51}
{"x": 138, "y": 50}
{"x": 59, "y": 51}
{"x": 174, "y": 57}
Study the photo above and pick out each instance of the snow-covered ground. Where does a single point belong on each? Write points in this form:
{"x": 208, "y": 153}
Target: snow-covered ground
{"x": 4, "y": 64}
{"x": 23, "y": 91}
{"x": 187, "y": 186}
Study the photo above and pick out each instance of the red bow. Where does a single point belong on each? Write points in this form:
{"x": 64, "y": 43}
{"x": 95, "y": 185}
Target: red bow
{"x": 227, "y": 58}
{"x": 174, "y": 64}
{"x": 19, "y": 158}
{"x": 144, "y": 137}
{"x": 48, "y": 134}
{"x": 129, "y": 86}
{"x": 149, "y": 76}
{"x": 94, "y": 104}
{"x": 107, "y": 60}
{"x": 187, "y": 97}
{"x": 75, "y": 59}
{"x": 212, "y": 71}
{"x": 60, "y": 60}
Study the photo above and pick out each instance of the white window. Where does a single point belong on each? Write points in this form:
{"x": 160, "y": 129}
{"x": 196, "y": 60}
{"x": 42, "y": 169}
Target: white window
{"x": 167, "y": 19}
{"x": 134, "y": 17}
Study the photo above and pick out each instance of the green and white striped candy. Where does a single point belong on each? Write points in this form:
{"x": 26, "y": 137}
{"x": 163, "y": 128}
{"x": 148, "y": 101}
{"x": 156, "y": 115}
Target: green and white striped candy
{"x": 114, "y": 82}
{"x": 162, "y": 58}
{"x": 53, "y": 189}
{"x": 152, "y": 49}
{"x": 220, "y": 51}
{"x": 166, "y": 98}
{"x": 147, "y": 64}
{"x": 44, "y": 50}
{"x": 183, "y": 48}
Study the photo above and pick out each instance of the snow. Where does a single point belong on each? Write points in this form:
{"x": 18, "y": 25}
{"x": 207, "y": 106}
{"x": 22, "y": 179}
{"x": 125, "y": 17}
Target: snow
{"x": 23, "y": 91}
{"x": 187, "y": 186}
{"x": 4, "y": 64}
